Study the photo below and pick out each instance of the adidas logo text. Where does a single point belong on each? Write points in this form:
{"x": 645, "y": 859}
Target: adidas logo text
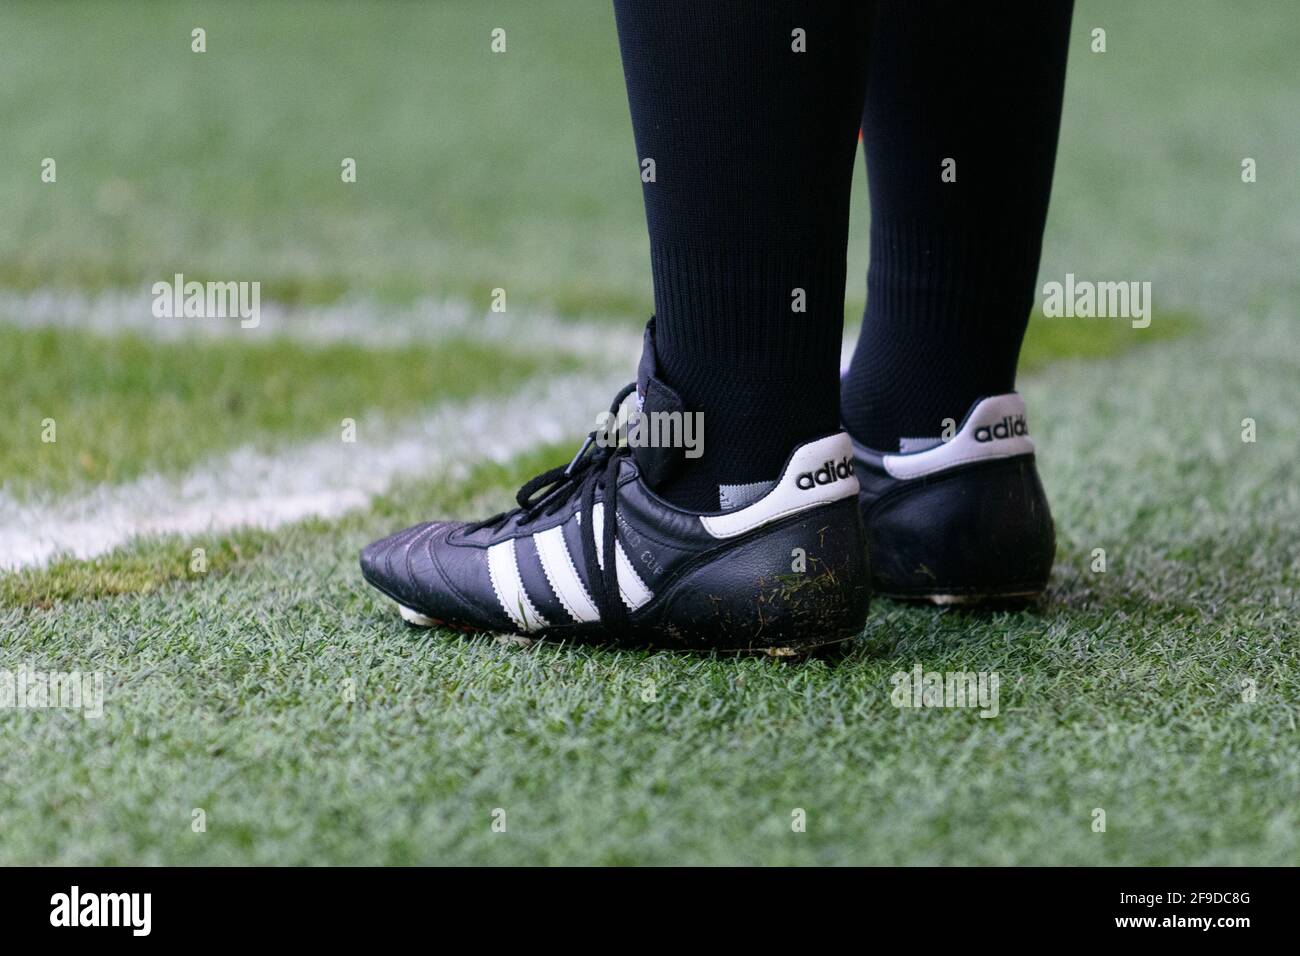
{"x": 1009, "y": 427}
{"x": 829, "y": 472}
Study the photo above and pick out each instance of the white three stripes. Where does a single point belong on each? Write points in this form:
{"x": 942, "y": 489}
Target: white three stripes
{"x": 503, "y": 569}
{"x": 634, "y": 592}
{"x": 562, "y": 575}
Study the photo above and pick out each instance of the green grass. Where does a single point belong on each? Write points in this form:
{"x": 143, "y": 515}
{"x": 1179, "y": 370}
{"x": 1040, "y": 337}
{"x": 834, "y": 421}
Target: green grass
{"x": 283, "y": 697}
{"x": 233, "y": 694}
{"x": 124, "y": 405}
{"x": 139, "y": 568}
{"x": 147, "y": 564}
{"x": 474, "y": 170}
{"x": 1054, "y": 340}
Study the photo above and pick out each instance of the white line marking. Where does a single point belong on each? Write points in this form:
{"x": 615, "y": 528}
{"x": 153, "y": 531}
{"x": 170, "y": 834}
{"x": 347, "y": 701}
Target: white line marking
{"x": 355, "y": 320}
{"x": 322, "y": 478}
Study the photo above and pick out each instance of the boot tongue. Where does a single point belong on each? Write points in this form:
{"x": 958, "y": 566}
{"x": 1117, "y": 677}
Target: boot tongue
{"x": 654, "y": 401}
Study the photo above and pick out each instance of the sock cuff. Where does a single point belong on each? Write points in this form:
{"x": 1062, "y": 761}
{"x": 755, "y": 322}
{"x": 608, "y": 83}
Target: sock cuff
{"x": 743, "y": 313}
{"x": 924, "y": 266}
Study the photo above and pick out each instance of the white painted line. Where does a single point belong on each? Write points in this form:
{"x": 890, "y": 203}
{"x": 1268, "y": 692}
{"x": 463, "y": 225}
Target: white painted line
{"x": 357, "y": 321}
{"x": 323, "y": 478}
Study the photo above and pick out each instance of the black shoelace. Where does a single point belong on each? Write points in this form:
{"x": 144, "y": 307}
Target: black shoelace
{"x": 593, "y": 468}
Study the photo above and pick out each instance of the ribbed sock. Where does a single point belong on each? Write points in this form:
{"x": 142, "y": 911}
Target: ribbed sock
{"x": 752, "y": 143}
{"x": 953, "y": 264}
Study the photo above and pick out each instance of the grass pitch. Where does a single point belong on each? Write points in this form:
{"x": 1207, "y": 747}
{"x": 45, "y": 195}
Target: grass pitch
{"x": 287, "y": 702}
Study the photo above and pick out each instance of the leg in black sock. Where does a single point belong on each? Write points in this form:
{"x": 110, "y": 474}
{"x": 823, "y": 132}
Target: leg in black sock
{"x": 752, "y": 143}
{"x": 953, "y": 264}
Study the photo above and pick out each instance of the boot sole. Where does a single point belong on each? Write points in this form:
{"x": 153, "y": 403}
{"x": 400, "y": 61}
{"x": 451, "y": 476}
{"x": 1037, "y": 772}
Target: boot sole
{"x": 979, "y": 599}
{"x": 786, "y": 652}
{"x": 976, "y": 534}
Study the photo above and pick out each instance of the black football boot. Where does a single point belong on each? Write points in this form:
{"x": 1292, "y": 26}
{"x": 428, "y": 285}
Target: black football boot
{"x": 962, "y": 520}
{"x": 781, "y": 568}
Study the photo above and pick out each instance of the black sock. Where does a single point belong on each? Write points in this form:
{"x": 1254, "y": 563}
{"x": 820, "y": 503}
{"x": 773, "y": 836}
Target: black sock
{"x": 953, "y": 264}
{"x": 752, "y": 145}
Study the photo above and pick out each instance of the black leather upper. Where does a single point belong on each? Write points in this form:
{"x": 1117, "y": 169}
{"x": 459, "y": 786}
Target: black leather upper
{"x": 440, "y": 569}
{"x": 690, "y": 587}
{"x": 981, "y": 529}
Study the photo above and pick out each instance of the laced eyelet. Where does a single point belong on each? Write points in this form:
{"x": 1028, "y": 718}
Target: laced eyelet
{"x": 550, "y": 492}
